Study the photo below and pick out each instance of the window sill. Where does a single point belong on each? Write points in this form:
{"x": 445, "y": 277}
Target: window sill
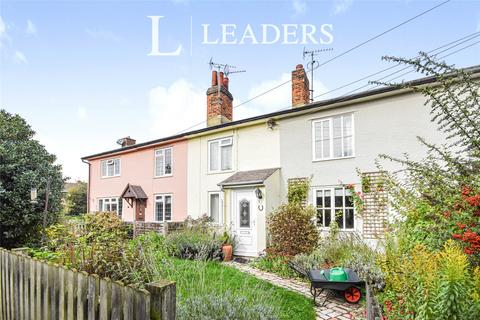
{"x": 219, "y": 172}
{"x": 327, "y": 229}
{"x": 332, "y": 159}
{"x": 110, "y": 177}
{"x": 164, "y": 176}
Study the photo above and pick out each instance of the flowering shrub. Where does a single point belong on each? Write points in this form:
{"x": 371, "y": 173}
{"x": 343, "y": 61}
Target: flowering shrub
{"x": 275, "y": 264}
{"x": 292, "y": 230}
{"x": 197, "y": 241}
{"x": 224, "y": 306}
{"x": 430, "y": 285}
{"x": 100, "y": 247}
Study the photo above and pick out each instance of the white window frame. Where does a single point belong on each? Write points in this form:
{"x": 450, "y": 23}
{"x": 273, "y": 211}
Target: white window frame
{"x": 155, "y": 162}
{"x": 220, "y": 206}
{"x": 111, "y": 200}
{"x": 219, "y": 156}
{"x": 155, "y": 206}
{"x": 330, "y": 121}
{"x": 333, "y": 207}
{"x": 107, "y": 163}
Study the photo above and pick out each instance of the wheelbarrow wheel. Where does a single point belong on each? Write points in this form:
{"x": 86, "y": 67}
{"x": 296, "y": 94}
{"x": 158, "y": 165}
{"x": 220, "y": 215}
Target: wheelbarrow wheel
{"x": 352, "y": 295}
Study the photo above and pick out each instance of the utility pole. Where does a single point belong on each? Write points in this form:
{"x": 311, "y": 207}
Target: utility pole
{"x": 45, "y": 210}
{"x": 312, "y": 64}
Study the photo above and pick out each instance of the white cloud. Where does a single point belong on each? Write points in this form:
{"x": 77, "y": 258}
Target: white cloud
{"x": 176, "y": 107}
{"x": 124, "y": 101}
{"x": 82, "y": 113}
{"x": 299, "y": 7}
{"x": 31, "y": 29}
{"x": 182, "y": 104}
{"x": 3, "y": 33}
{"x": 341, "y": 6}
{"x": 19, "y": 57}
{"x": 3, "y": 27}
{"x": 103, "y": 35}
{"x": 274, "y": 100}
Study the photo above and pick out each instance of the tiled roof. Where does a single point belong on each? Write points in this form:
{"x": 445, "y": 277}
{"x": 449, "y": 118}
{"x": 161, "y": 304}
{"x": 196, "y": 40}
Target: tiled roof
{"x": 132, "y": 191}
{"x": 248, "y": 177}
{"x": 319, "y": 105}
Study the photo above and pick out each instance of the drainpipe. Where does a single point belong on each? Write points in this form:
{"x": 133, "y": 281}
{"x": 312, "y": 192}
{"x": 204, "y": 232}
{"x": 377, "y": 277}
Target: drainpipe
{"x": 88, "y": 185}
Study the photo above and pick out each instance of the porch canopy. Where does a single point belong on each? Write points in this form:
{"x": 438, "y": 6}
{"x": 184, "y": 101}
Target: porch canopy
{"x": 132, "y": 193}
{"x": 247, "y": 178}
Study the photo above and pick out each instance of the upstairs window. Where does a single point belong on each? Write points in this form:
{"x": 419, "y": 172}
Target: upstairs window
{"x": 163, "y": 162}
{"x": 163, "y": 207}
{"x": 110, "y": 168}
{"x": 335, "y": 204}
{"x": 220, "y": 155}
{"x": 333, "y": 137}
{"x": 111, "y": 205}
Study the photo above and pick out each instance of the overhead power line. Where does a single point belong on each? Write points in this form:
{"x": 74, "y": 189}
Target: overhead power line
{"x": 334, "y": 58}
{"x": 347, "y": 95}
{"x": 465, "y": 39}
{"x": 449, "y": 45}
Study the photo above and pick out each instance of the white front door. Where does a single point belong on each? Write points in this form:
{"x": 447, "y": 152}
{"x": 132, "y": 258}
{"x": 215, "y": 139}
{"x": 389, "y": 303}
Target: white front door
{"x": 244, "y": 212}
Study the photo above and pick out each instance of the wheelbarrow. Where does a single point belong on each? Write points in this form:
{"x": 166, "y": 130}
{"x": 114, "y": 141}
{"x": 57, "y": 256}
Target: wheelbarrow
{"x": 346, "y": 283}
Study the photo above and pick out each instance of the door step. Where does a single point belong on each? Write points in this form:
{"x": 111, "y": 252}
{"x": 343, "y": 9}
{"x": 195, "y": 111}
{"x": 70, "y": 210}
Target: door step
{"x": 242, "y": 260}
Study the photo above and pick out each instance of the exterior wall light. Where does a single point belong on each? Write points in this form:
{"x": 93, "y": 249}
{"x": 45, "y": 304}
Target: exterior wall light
{"x": 258, "y": 193}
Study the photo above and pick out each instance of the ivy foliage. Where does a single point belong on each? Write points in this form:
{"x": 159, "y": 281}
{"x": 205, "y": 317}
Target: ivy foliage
{"x": 25, "y": 164}
{"x": 298, "y": 191}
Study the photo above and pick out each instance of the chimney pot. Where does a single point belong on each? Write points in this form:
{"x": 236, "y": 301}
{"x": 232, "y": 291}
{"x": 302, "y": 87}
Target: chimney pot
{"x": 225, "y": 82}
{"x": 221, "y": 77}
{"x": 214, "y": 78}
{"x": 300, "y": 87}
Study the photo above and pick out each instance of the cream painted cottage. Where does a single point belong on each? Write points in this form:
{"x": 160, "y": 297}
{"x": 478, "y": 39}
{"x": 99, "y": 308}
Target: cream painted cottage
{"x": 237, "y": 172}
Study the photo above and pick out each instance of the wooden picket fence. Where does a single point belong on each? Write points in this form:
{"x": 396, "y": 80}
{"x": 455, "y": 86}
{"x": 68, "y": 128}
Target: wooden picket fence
{"x": 32, "y": 289}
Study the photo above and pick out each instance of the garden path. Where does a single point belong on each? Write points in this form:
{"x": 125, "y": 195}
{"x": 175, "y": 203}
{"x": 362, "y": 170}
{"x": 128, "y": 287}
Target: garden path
{"x": 334, "y": 309}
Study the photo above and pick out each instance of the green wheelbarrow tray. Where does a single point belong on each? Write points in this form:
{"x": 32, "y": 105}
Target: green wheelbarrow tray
{"x": 350, "y": 288}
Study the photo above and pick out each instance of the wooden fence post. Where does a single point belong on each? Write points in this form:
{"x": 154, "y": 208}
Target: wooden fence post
{"x": 162, "y": 300}
{"x": 370, "y": 311}
{"x": 82, "y": 289}
{"x": 93, "y": 288}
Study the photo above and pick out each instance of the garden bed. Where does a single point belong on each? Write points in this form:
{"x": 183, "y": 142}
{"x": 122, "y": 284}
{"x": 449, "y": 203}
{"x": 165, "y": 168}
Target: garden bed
{"x": 197, "y": 280}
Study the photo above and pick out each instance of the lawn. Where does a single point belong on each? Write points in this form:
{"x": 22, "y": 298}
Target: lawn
{"x": 198, "y": 278}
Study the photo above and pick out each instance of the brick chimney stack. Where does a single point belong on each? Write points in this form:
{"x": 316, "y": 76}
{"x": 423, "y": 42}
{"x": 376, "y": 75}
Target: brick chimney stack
{"x": 219, "y": 104}
{"x": 127, "y": 141}
{"x": 300, "y": 87}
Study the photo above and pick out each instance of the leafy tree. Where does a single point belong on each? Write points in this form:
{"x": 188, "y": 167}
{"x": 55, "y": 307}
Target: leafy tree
{"x": 24, "y": 164}
{"x": 437, "y": 240}
{"x": 437, "y": 194}
{"x": 76, "y": 199}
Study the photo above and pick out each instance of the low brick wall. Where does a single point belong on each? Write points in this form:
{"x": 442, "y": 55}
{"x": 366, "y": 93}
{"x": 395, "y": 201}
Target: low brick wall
{"x": 142, "y": 227}
{"x": 175, "y": 226}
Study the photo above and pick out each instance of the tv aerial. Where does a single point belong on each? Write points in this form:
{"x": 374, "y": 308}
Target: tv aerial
{"x": 226, "y": 68}
{"x": 313, "y": 64}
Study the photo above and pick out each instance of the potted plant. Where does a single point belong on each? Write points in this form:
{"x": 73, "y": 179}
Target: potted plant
{"x": 227, "y": 247}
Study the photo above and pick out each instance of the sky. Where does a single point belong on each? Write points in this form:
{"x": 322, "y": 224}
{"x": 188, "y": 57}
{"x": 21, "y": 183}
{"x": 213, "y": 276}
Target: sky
{"x": 83, "y": 75}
